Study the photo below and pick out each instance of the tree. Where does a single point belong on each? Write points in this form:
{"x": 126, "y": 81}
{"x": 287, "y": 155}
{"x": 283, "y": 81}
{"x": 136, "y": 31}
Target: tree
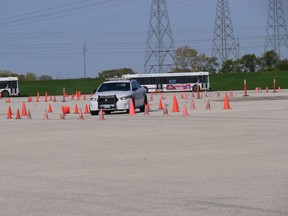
{"x": 230, "y": 66}
{"x": 45, "y": 77}
{"x": 269, "y": 60}
{"x": 211, "y": 65}
{"x": 115, "y": 73}
{"x": 282, "y": 65}
{"x": 184, "y": 57}
{"x": 248, "y": 63}
{"x": 188, "y": 59}
{"x": 30, "y": 76}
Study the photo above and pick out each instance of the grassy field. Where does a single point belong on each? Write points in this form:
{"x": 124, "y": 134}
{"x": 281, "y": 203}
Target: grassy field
{"x": 218, "y": 82}
{"x": 55, "y": 87}
{"x": 236, "y": 81}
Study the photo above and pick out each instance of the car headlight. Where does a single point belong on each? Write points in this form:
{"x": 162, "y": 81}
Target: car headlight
{"x": 125, "y": 97}
{"x": 93, "y": 99}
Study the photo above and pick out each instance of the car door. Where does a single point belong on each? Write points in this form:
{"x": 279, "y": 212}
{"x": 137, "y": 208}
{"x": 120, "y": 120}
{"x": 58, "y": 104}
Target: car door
{"x": 137, "y": 93}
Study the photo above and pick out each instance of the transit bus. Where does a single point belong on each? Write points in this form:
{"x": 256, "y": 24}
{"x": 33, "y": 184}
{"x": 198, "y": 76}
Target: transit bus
{"x": 182, "y": 81}
{"x": 9, "y": 86}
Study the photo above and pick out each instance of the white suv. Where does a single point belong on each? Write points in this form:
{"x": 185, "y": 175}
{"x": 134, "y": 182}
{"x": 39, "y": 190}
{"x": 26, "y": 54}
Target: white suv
{"x": 115, "y": 96}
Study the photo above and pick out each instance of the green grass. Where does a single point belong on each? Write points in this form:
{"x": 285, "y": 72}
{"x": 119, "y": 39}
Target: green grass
{"x": 223, "y": 82}
{"x": 235, "y": 81}
{"x": 55, "y": 87}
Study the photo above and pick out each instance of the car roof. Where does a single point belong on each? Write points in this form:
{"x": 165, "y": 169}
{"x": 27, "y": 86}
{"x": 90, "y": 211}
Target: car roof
{"x": 117, "y": 81}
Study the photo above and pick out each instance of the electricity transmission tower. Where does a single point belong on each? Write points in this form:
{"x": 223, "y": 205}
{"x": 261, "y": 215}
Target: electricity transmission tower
{"x": 160, "y": 48}
{"x": 276, "y": 29}
{"x": 224, "y": 46}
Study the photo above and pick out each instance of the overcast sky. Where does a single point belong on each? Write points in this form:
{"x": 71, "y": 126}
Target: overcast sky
{"x": 47, "y": 37}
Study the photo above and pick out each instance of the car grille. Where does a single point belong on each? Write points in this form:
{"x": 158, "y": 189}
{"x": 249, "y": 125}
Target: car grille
{"x": 107, "y": 102}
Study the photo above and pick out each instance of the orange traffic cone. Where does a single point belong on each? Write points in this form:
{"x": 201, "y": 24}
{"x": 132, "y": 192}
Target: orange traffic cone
{"x": 231, "y": 94}
{"x": 205, "y": 94}
{"x": 24, "y": 111}
{"x": 226, "y": 102}
{"x": 185, "y": 96}
{"x": 146, "y": 112}
{"x": 29, "y": 116}
{"x": 86, "y": 109}
{"x": 62, "y": 114}
{"x": 8, "y": 100}
{"x": 218, "y": 94}
{"x": 45, "y": 115}
{"x": 160, "y": 104}
{"x": 151, "y": 96}
{"x": 165, "y": 111}
{"x": 63, "y": 97}
{"x": 76, "y": 110}
{"x": 55, "y": 100}
{"x": 208, "y": 106}
{"x": 37, "y": 99}
{"x": 84, "y": 97}
{"x": 185, "y": 111}
{"x": 148, "y": 105}
{"x": 131, "y": 107}
{"x": 175, "y": 105}
{"x": 50, "y": 108}
{"x": 192, "y": 105}
{"x": 80, "y": 115}
{"x": 101, "y": 115}
{"x": 9, "y": 114}
{"x": 18, "y": 114}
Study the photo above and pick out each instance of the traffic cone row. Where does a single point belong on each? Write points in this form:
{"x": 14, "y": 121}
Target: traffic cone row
{"x": 66, "y": 110}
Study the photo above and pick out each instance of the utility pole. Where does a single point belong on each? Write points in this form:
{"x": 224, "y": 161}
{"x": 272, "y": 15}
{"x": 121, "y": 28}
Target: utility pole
{"x": 224, "y": 46}
{"x": 238, "y": 49}
{"x": 160, "y": 49}
{"x": 276, "y": 29}
{"x": 84, "y": 52}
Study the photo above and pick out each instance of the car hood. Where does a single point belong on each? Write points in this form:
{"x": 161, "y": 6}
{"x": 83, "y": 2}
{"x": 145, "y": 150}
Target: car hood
{"x": 108, "y": 93}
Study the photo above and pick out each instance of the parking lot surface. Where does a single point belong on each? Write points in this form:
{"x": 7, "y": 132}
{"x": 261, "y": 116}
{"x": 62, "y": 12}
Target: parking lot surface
{"x": 213, "y": 161}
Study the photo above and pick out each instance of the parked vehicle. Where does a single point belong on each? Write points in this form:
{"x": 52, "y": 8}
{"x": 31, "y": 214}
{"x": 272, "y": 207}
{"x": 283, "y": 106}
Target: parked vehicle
{"x": 9, "y": 86}
{"x": 115, "y": 96}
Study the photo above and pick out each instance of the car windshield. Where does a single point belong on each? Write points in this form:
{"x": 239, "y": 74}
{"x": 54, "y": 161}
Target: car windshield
{"x": 114, "y": 87}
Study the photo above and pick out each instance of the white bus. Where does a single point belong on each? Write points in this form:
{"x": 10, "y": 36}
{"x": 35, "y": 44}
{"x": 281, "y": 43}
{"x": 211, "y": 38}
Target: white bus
{"x": 9, "y": 86}
{"x": 183, "y": 81}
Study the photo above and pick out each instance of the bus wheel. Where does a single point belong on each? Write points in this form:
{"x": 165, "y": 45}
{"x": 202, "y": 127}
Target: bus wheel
{"x": 195, "y": 88}
{"x": 5, "y": 94}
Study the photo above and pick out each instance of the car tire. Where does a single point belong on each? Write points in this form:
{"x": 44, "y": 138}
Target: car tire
{"x": 142, "y": 108}
{"x": 94, "y": 113}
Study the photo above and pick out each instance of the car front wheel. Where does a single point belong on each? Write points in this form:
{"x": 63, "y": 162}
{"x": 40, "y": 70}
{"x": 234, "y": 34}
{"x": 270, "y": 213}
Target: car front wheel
{"x": 94, "y": 112}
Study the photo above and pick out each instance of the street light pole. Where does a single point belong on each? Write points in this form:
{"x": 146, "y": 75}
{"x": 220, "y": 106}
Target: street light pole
{"x": 84, "y": 52}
